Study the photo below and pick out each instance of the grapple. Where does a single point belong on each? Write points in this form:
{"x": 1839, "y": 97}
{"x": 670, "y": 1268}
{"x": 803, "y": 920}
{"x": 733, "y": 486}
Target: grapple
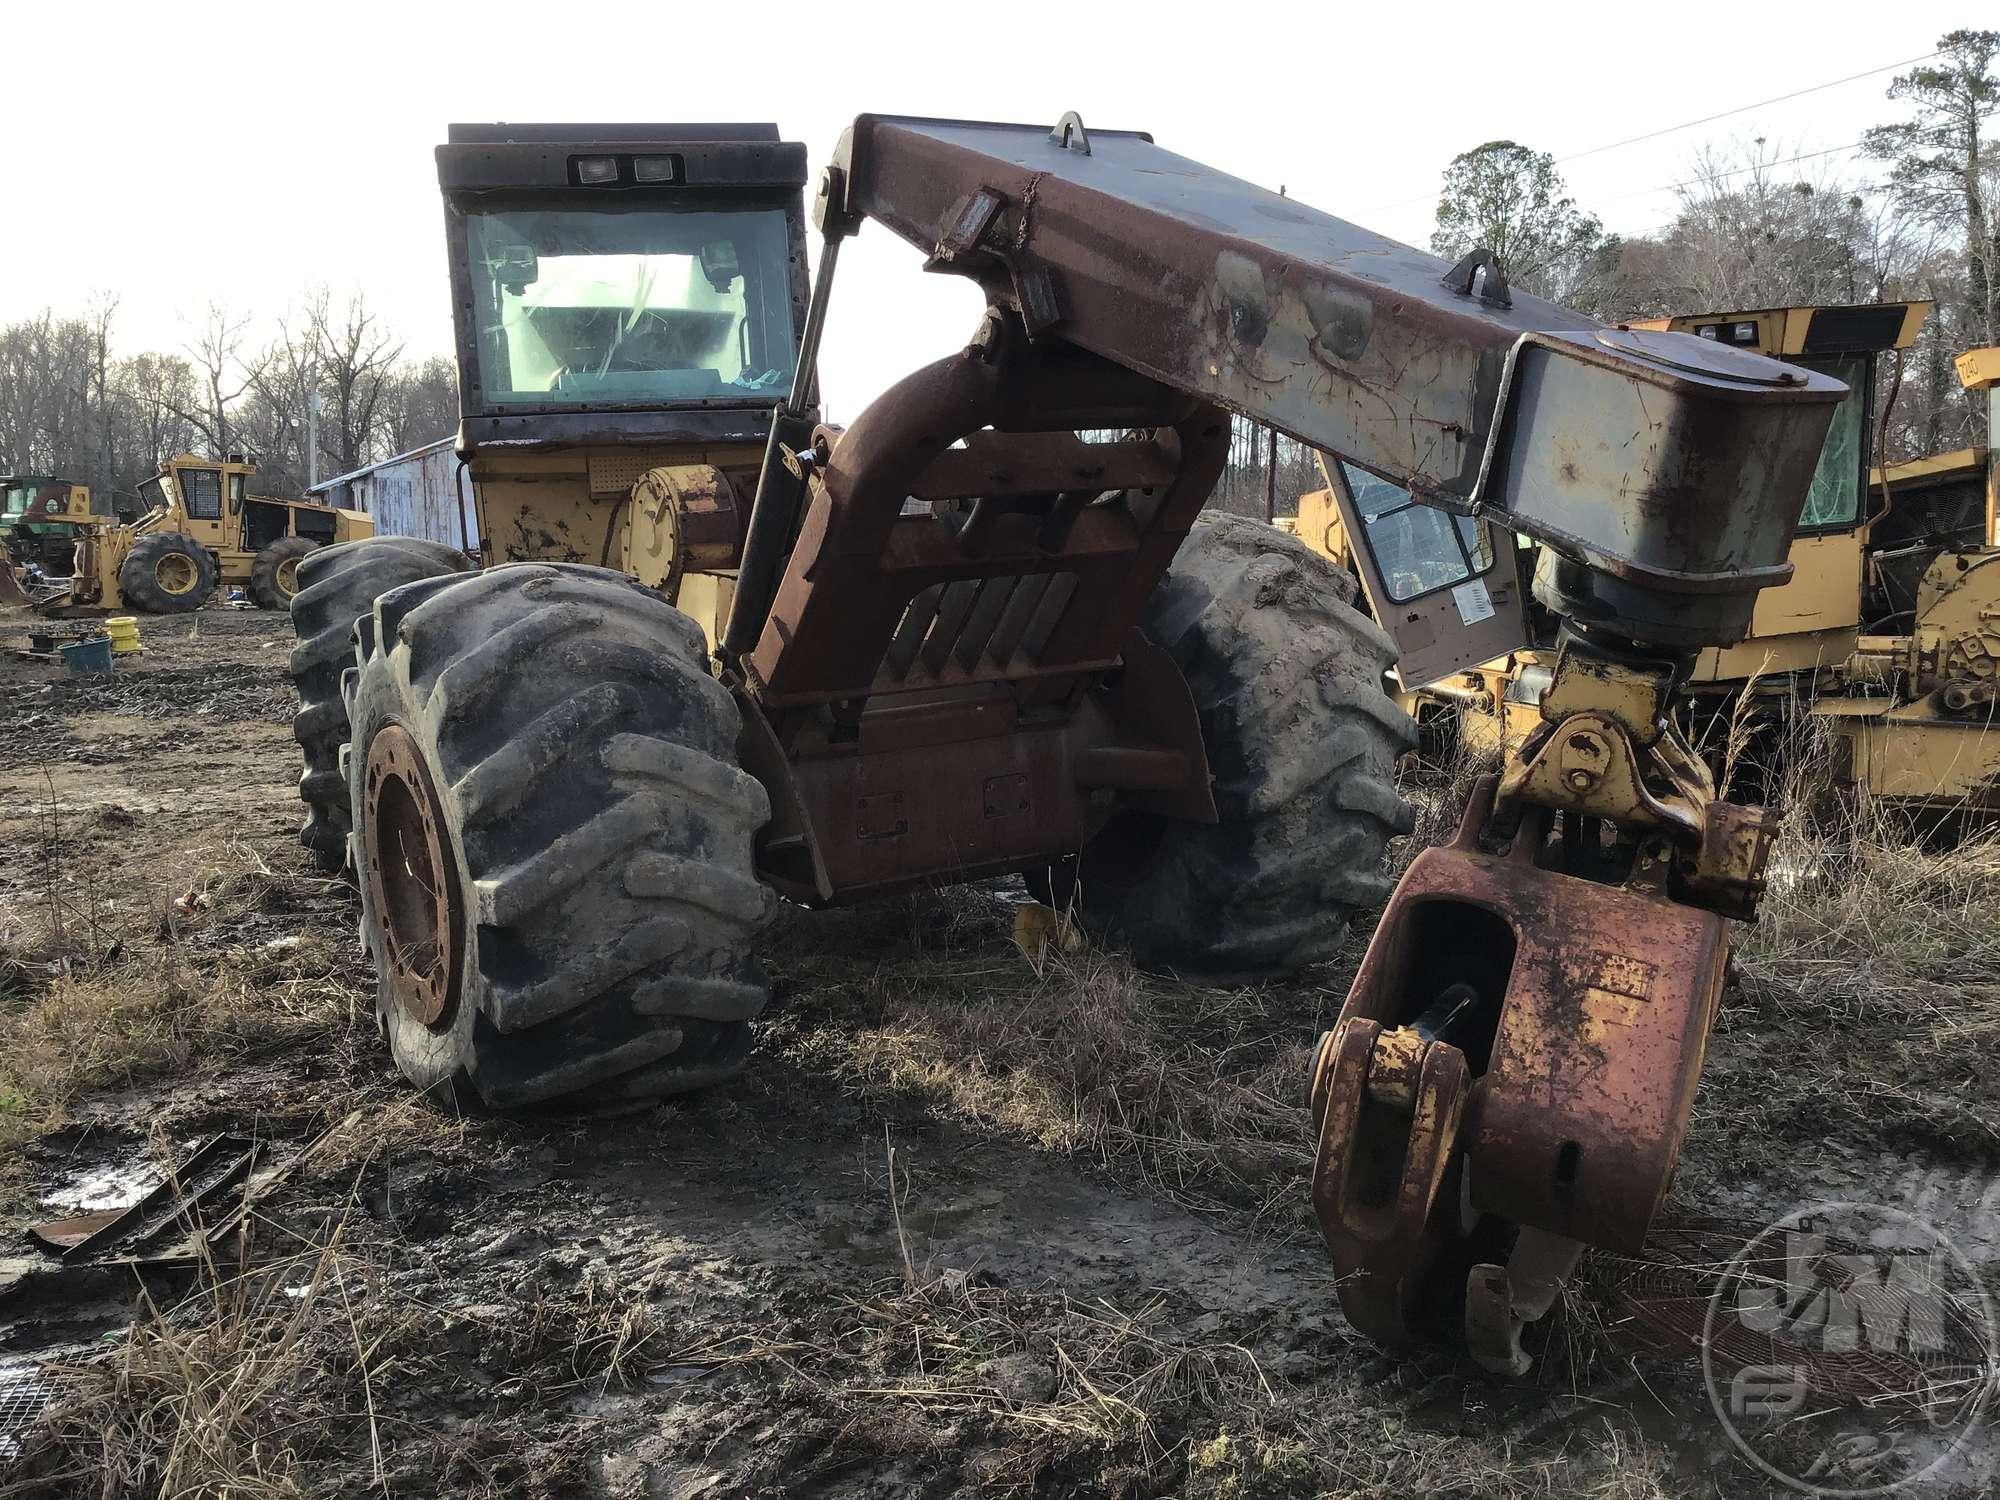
{"x": 1520, "y": 1045}
{"x": 1512, "y": 1074}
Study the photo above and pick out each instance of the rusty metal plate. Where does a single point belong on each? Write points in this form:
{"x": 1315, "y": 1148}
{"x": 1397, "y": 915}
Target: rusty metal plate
{"x": 413, "y": 878}
{"x": 1385, "y": 1182}
{"x": 1607, "y": 994}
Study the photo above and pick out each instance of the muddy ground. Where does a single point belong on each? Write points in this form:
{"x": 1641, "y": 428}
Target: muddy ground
{"x": 967, "y": 1223}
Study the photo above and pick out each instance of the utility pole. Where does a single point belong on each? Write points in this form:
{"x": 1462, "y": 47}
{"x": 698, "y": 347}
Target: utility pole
{"x": 1271, "y": 458}
{"x": 1271, "y": 478}
{"x": 312, "y": 438}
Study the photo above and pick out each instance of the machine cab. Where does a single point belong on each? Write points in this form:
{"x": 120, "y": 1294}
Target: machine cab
{"x": 39, "y": 518}
{"x": 42, "y": 499}
{"x": 209, "y": 494}
{"x": 628, "y": 301}
{"x": 623, "y": 284}
{"x": 1447, "y": 587}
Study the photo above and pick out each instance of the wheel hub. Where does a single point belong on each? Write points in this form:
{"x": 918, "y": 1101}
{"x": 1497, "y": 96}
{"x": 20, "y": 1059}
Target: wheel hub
{"x": 413, "y": 879}
{"x": 175, "y": 573}
{"x": 288, "y": 577}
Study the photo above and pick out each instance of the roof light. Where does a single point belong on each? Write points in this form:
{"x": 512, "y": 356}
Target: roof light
{"x": 596, "y": 171}
{"x": 656, "y": 168}
{"x": 1743, "y": 333}
{"x": 1708, "y": 331}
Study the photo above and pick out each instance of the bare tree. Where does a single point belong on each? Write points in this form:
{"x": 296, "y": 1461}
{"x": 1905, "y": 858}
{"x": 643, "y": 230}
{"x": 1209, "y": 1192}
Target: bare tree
{"x": 356, "y": 357}
{"x": 215, "y": 349}
{"x": 288, "y": 376}
{"x": 98, "y": 394}
{"x": 419, "y": 405}
{"x": 1751, "y": 233}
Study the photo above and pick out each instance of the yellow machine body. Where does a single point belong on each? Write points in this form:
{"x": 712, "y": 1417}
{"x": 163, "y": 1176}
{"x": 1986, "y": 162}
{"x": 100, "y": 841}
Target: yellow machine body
{"x": 1913, "y": 713}
{"x": 207, "y": 501}
{"x": 669, "y": 515}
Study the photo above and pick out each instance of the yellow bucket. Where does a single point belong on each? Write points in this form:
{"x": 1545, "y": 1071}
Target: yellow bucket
{"x": 124, "y": 633}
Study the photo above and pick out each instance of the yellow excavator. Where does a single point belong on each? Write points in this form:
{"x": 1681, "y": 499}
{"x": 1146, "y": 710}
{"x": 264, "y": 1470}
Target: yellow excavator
{"x": 202, "y": 528}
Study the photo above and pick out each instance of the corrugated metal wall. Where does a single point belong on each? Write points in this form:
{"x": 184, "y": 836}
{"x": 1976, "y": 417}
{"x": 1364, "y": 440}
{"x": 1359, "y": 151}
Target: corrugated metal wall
{"x": 413, "y": 494}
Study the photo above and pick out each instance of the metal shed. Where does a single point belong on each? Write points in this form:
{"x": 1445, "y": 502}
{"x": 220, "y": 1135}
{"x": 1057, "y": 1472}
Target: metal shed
{"x": 413, "y": 494}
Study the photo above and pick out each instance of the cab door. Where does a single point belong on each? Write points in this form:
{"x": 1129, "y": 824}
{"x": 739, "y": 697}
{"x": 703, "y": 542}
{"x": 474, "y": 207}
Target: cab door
{"x": 202, "y": 502}
{"x": 1446, "y": 587}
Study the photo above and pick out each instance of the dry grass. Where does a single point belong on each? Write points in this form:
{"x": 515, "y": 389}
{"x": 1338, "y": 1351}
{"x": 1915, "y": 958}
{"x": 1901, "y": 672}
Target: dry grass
{"x": 1064, "y": 1375}
{"x": 1869, "y": 999}
{"x": 1124, "y": 1398}
{"x": 1200, "y": 1091}
{"x": 1870, "y": 995}
{"x": 238, "y": 960}
{"x": 233, "y": 1391}
{"x": 318, "y": 1370}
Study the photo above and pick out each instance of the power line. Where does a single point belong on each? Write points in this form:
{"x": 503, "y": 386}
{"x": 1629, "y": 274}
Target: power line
{"x": 1741, "y": 109}
{"x": 1668, "y": 187}
{"x": 1691, "y": 124}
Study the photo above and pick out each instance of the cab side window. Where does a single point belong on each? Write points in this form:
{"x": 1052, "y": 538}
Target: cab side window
{"x": 1419, "y": 549}
{"x": 201, "y": 491}
{"x": 236, "y": 494}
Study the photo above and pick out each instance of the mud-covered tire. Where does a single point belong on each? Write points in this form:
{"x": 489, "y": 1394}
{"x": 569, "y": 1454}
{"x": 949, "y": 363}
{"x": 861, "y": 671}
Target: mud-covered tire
{"x": 337, "y": 586}
{"x": 597, "y": 833}
{"x": 274, "y": 571}
{"x": 166, "y": 574}
{"x": 1302, "y": 739}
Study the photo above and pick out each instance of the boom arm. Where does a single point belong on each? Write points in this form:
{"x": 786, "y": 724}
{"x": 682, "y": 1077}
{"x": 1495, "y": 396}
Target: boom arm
{"x": 1669, "y": 466}
{"x": 1565, "y": 955}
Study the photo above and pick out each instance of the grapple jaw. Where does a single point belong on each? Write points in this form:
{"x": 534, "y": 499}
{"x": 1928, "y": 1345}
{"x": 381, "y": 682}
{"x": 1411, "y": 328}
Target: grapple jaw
{"x": 1518, "y": 1053}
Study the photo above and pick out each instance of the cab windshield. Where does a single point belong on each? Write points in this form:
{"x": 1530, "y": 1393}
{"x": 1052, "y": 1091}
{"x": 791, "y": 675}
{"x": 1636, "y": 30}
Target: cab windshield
{"x": 635, "y": 306}
{"x": 153, "y": 494}
{"x": 22, "y": 495}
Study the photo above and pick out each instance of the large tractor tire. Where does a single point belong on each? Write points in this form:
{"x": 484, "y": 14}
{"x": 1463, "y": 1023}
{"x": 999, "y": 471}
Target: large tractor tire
{"x": 274, "y": 572}
{"x": 1302, "y": 738}
{"x": 166, "y": 574}
{"x": 337, "y": 586}
{"x": 553, "y": 840}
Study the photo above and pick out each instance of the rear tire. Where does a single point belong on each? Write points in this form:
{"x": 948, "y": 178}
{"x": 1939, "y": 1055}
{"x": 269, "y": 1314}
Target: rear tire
{"x": 166, "y": 574}
{"x": 592, "y": 831}
{"x": 337, "y": 586}
{"x": 274, "y": 571}
{"x": 1302, "y": 738}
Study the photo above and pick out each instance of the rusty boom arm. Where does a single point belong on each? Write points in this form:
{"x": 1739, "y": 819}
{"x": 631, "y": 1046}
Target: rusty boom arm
{"x": 1512, "y": 1072}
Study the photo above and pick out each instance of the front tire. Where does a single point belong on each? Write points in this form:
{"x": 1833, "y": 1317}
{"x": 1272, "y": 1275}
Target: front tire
{"x": 166, "y": 574}
{"x": 553, "y": 839}
{"x": 337, "y": 586}
{"x": 1302, "y": 738}
{"x": 274, "y": 572}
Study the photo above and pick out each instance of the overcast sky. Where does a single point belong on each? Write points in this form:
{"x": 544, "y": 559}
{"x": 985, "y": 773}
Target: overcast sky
{"x": 176, "y": 154}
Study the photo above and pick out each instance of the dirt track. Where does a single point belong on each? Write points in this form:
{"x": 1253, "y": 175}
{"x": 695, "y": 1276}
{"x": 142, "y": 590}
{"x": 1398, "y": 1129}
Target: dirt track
{"x": 716, "y": 1297}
